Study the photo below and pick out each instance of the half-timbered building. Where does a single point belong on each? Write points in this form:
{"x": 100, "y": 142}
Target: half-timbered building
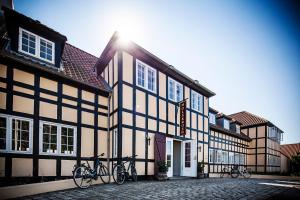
{"x": 53, "y": 107}
{"x": 263, "y": 154}
{"x": 227, "y": 144}
{"x": 145, "y": 110}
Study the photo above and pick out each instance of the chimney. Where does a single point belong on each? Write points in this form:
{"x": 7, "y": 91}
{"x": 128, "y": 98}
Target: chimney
{"x": 7, "y": 3}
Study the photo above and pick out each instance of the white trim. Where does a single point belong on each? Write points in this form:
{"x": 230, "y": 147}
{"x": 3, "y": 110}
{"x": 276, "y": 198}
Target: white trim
{"x": 197, "y": 103}
{"x": 58, "y": 142}
{"x": 146, "y": 67}
{"x": 9, "y": 119}
{"x": 175, "y": 87}
{"x": 37, "y": 46}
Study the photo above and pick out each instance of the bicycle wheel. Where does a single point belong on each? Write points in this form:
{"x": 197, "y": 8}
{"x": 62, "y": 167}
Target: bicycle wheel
{"x": 234, "y": 173}
{"x": 119, "y": 174}
{"x": 222, "y": 173}
{"x": 133, "y": 174}
{"x": 82, "y": 177}
{"x": 104, "y": 174}
{"x": 246, "y": 174}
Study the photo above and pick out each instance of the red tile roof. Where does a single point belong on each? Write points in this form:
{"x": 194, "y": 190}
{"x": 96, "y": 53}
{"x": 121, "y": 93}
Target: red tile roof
{"x": 248, "y": 119}
{"x": 79, "y": 65}
{"x": 290, "y": 150}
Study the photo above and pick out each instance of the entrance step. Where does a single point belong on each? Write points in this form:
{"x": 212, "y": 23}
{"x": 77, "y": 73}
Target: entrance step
{"x": 180, "y": 178}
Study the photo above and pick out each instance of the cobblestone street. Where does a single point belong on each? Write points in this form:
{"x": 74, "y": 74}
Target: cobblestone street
{"x": 212, "y": 188}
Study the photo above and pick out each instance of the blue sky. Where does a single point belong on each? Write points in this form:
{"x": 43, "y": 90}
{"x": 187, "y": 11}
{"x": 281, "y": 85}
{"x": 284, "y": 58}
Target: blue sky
{"x": 247, "y": 52}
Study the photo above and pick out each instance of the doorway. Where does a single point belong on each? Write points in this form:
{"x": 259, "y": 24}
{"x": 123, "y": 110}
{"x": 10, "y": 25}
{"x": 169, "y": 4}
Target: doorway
{"x": 176, "y": 158}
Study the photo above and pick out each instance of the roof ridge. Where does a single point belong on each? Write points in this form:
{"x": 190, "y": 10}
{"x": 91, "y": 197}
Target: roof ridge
{"x": 82, "y": 50}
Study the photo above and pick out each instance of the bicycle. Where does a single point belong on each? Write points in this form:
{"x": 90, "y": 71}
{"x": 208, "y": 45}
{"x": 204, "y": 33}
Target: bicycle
{"x": 120, "y": 173}
{"x": 225, "y": 170}
{"x": 236, "y": 172}
{"x": 83, "y": 175}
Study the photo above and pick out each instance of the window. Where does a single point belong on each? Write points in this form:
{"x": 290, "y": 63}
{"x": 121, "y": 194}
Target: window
{"x": 46, "y": 49}
{"x": 36, "y": 46}
{"x": 175, "y": 90}
{"x": 231, "y": 158}
{"x": 67, "y": 140}
{"x": 146, "y": 76}
{"x": 238, "y": 129}
{"x": 242, "y": 159}
{"x": 211, "y": 155}
{"x": 141, "y": 75}
{"x": 225, "y": 157}
{"x": 151, "y": 79}
{"x": 57, "y": 139}
{"x": 169, "y": 153}
{"x": 212, "y": 118}
{"x": 197, "y": 101}
{"x": 219, "y": 156}
{"x": 226, "y": 124}
{"x": 28, "y": 42}
{"x": 187, "y": 154}
{"x": 20, "y": 135}
{"x": 115, "y": 143}
{"x": 236, "y": 158}
{"x": 15, "y": 134}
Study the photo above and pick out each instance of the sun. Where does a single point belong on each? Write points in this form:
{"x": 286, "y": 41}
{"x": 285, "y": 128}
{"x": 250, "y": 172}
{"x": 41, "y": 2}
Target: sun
{"x": 129, "y": 26}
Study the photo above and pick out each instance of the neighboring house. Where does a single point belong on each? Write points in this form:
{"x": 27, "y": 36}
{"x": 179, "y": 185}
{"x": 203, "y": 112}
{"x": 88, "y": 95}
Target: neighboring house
{"x": 263, "y": 154}
{"x": 53, "y": 107}
{"x": 287, "y": 152}
{"x": 145, "y": 111}
{"x": 227, "y": 144}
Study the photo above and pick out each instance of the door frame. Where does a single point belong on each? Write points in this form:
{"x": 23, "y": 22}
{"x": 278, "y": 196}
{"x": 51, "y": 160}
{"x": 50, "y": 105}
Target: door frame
{"x": 192, "y": 170}
{"x": 170, "y": 169}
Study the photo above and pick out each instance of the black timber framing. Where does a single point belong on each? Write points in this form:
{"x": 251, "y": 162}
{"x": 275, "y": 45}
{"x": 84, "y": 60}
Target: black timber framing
{"x": 36, "y": 124}
{"x": 35, "y": 156}
{"x": 120, "y": 103}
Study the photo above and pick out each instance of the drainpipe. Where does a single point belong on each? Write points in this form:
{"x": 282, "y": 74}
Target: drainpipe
{"x": 108, "y": 131}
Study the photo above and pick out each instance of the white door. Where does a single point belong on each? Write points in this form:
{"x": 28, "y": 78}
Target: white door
{"x": 189, "y": 158}
{"x": 169, "y": 156}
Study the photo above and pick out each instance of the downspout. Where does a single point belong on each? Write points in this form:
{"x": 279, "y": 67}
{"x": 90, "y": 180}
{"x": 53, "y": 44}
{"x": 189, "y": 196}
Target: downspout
{"x": 108, "y": 131}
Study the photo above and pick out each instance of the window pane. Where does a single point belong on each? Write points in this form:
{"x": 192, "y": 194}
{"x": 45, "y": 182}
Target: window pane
{"x": 20, "y": 135}
{"x": 151, "y": 80}
{"x": 49, "y": 138}
{"x": 171, "y": 90}
{"x": 188, "y": 154}
{"x": 141, "y": 75}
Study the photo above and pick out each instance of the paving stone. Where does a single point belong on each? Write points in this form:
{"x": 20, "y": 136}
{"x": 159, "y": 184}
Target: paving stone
{"x": 212, "y": 188}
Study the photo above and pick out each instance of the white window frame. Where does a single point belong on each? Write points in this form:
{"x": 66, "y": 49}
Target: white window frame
{"x": 197, "y": 106}
{"x": 231, "y": 158}
{"x": 58, "y": 144}
{"x": 37, "y": 46}
{"x": 175, "y": 84}
{"x": 146, "y": 67}
{"x": 219, "y": 156}
{"x": 227, "y": 123}
{"x": 9, "y": 119}
{"x": 225, "y": 157}
{"x": 238, "y": 129}
{"x": 212, "y": 118}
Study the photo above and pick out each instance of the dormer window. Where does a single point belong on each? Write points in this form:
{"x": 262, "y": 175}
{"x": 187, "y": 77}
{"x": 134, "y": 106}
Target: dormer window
{"x": 226, "y": 124}
{"x": 36, "y": 46}
{"x": 238, "y": 129}
{"x": 212, "y": 118}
